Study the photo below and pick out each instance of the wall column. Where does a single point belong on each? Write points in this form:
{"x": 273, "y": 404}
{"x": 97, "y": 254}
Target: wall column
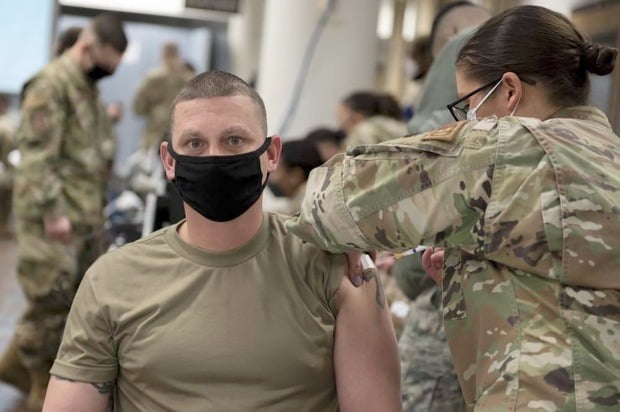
{"x": 344, "y": 60}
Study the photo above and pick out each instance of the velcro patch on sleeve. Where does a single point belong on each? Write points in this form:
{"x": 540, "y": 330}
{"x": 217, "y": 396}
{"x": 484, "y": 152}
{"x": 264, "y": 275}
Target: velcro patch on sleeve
{"x": 446, "y": 133}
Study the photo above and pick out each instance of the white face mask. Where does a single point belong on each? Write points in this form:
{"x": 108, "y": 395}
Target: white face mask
{"x": 516, "y": 105}
{"x": 471, "y": 114}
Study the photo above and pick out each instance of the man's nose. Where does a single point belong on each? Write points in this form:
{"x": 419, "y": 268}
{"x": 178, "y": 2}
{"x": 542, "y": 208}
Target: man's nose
{"x": 215, "y": 150}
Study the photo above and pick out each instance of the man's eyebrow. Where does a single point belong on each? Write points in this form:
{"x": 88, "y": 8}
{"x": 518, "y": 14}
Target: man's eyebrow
{"x": 191, "y": 134}
{"x": 235, "y": 129}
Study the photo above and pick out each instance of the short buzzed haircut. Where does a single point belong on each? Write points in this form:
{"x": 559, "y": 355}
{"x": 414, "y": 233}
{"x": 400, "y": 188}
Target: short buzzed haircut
{"x": 219, "y": 84}
{"x": 109, "y": 30}
{"x": 67, "y": 38}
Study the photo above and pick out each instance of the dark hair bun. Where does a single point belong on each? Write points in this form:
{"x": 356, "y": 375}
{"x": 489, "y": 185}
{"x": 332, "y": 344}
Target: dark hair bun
{"x": 599, "y": 59}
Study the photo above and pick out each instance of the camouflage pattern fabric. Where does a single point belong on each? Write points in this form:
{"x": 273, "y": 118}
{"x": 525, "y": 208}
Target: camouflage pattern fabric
{"x": 153, "y": 99}
{"x": 527, "y": 211}
{"x": 67, "y": 144}
{"x": 429, "y": 382}
{"x": 375, "y": 129}
{"x": 439, "y": 87}
{"x": 49, "y": 273}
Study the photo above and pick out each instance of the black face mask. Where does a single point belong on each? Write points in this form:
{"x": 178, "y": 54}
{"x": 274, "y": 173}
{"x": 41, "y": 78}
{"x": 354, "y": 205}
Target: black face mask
{"x": 98, "y": 72}
{"x": 220, "y": 188}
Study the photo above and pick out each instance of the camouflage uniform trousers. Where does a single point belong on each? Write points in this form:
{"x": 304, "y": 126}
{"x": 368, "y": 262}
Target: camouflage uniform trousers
{"x": 49, "y": 273}
{"x": 428, "y": 380}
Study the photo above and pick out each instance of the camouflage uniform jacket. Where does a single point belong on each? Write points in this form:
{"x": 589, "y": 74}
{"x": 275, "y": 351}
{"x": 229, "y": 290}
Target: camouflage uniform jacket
{"x": 153, "y": 99}
{"x": 67, "y": 144}
{"x": 375, "y": 129}
{"x": 528, "y": 212}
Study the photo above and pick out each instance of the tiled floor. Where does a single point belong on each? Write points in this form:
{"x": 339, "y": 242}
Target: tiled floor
{"x": 12, "y": 304}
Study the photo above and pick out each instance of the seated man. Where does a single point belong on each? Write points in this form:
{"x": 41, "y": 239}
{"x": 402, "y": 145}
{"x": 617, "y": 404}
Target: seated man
{"x": 225, "y": 310}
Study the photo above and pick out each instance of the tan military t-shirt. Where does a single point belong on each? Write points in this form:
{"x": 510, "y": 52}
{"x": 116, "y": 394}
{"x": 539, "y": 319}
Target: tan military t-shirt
{"x": 181, "y": 329}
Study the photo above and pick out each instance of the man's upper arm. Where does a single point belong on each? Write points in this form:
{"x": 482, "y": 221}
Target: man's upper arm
{"x": 65, "y": 395}
{"x": 397, "y": 195}
{"x": 366, "y": 352}
{"x": 88, "y": 351}
{"x": 39, "y": 139}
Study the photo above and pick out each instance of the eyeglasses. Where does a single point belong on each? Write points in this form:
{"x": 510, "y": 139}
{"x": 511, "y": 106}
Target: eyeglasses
{"x": 458, "y": 110}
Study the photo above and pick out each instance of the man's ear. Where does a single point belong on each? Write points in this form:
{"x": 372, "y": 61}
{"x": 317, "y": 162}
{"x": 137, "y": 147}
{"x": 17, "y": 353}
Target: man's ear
{"x": 513, "y": 90}
{"x": 167, "y": 160}
{"x": 273, "y": 153}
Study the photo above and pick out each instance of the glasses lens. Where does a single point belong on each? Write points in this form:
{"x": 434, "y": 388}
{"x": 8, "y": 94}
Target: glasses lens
{"x": 460, "y": 112}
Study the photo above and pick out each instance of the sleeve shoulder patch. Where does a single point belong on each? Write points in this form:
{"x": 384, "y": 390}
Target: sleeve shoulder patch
{"x": 446, "y": 133}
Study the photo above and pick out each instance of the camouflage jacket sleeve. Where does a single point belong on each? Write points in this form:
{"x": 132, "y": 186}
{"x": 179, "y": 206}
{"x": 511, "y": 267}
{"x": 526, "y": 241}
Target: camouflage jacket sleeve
{"x": 424, "y": 189}
{"x": 40, "y": 140}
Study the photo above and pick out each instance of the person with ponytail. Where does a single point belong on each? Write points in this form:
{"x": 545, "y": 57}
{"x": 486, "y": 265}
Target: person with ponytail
{"x": 370, "y": 118}
{"x": 522, "y": 193}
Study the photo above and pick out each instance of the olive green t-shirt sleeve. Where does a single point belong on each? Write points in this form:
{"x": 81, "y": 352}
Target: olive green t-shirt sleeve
{"x": 87, "y": 352}
{"x": 323, "y": 272}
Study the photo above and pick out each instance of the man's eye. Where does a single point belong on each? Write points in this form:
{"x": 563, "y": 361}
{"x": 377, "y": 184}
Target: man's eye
{"x": 195, "y": 143}
{"x": 235, "y": 140}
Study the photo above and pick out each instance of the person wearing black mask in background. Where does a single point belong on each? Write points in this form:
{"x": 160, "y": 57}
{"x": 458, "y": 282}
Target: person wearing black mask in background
{"x": 225, "y": 310}
{"x": 67, "y": 146}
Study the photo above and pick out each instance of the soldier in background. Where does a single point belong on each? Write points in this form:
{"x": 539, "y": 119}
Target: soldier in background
{"x": 66, "y": 39}
{"x": 523, "y": 194}
{"x": 66, "y": 143}
{"x": 452, "y": 26}
{"x": 328, "y": 142}
{"x": 156, "y": 93}
{"x": 370, "y": 118}
{"x": 416, "y": 65}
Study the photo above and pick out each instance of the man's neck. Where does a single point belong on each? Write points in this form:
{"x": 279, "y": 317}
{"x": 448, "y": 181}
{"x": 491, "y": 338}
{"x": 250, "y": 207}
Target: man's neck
{"x": 221, "y": 236}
